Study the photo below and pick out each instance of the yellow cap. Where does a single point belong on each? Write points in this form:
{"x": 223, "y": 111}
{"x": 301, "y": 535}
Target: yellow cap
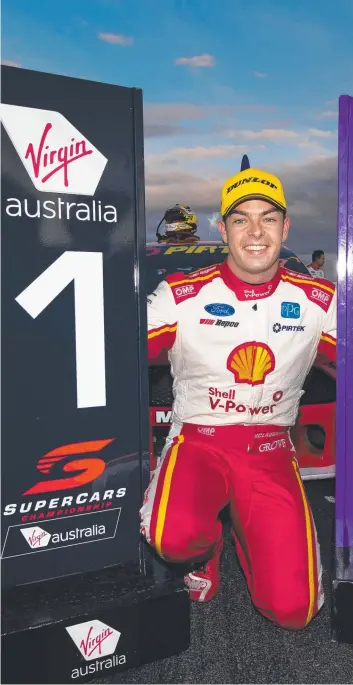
{"x": 252, "y": 184}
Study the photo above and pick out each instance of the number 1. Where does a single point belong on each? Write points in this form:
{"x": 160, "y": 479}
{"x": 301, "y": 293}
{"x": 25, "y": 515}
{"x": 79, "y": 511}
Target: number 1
{"x": 86, "y": 270}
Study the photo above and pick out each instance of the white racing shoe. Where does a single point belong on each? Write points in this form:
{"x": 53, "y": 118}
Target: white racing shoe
{"x": 204, "y": 582}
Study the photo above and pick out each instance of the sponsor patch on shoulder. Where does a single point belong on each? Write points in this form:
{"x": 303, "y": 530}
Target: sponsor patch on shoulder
{"x": 322, "y": 297}
{"x": 203, "y": 272}
{"x": 182, "y": 291}
{"x": 184, "y": 286}
{"x": 317, "y": 290}
{"x": 297, "y": 274}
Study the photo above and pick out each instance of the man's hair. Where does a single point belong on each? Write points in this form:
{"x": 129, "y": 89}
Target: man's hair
{"x": 316, "y": 254}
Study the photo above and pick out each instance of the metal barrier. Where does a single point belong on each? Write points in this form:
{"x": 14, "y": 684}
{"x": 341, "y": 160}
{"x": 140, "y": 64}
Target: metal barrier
{"x": 343, "y": 563}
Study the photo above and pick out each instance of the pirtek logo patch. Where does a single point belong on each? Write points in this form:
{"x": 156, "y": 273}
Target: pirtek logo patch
{"x": 277, "y": 328}
{"x": 251, "y": 179}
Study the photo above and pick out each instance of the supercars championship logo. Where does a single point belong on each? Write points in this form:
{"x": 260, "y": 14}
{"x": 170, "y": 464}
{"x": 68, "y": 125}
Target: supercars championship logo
{"x": 84, "y": 461}
{"x": 58, "y": 159}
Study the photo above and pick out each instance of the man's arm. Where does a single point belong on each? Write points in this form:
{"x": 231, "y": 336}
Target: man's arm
{"x": 162, "y": 320}
{"x": 327, "y": 345}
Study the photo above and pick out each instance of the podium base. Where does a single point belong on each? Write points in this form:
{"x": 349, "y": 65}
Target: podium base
{"x": 342, "y": 614}
{"x": 78, "y": 628}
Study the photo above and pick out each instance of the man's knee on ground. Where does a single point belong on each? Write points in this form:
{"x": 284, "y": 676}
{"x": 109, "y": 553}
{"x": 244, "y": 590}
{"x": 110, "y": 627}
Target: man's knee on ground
{"x": 290, "y": 615}
{"x": 187, "y": 543}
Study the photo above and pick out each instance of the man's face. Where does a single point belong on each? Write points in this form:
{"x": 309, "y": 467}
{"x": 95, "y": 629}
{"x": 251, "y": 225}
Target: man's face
{"x": 320, "y": 260}
{"x": 254, "y": 233}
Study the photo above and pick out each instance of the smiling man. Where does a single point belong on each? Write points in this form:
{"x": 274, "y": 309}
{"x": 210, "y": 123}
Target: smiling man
{"x": 242, "y": 337}
{"x": 254, "y": 224}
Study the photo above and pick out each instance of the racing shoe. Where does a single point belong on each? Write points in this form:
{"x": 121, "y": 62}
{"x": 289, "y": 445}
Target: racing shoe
{"x": 204, "y": 581}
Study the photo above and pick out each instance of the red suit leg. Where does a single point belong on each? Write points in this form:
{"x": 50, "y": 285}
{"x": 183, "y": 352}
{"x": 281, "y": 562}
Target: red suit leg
{"x": 179, "y": 516}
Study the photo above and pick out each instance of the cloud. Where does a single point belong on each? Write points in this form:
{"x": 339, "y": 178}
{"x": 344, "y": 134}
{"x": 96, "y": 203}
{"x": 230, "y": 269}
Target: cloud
{"x": 172, "y": 174}
{"x": 115, "y": 38}
{"x": 176, "y": 112}
{"x": 273, "y": 135}
{"x": 319, "y": 133}
{"x": 196, "y": 61}
{"x": 328, "y": 114}
{"x": 10, "y": 63}
{"x": 279, "y": 135}
{"x": 171, "y": 113}
{"x": 164, "y": 186}
{"x": 163, "y": 130}
{"x": 311, "y": 138}
{"x": 161, "y": 120}
{"x": 311, "y": 190}
{"x": 178, "y": 154}
{"x": 259, "y": 74}
{"x": 168, "y": 118}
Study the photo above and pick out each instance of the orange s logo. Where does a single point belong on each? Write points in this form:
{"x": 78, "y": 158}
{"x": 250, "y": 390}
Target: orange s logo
{"x": 251, "y": 362}
{"x": 89, "y": 468}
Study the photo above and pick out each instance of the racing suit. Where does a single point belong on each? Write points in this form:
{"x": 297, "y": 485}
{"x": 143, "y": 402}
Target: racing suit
{"x": 317, "y": 273}
{"x": 239, "y": 356}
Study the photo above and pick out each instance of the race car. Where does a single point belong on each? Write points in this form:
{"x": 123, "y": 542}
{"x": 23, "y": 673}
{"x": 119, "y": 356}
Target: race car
{"x": 314, "y": 432}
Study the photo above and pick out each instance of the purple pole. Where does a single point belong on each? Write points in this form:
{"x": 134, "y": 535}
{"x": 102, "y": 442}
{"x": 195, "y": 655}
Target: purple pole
{"x": 343, "y": 581}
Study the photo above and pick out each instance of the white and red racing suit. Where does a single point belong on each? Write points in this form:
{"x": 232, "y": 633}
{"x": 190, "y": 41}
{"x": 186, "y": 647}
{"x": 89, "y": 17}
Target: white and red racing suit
{"x": 239, "y": 357}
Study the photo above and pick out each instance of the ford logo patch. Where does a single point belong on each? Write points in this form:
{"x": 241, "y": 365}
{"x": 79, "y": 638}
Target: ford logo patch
{"x": 220, "y": 309}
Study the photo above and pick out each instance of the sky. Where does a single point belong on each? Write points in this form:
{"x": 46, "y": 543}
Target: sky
{"x": 219, "y": 79}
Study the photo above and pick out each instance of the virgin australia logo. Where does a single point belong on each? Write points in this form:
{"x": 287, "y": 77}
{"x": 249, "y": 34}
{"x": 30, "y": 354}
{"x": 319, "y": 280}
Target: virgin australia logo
{"x": 36, "y": 536}
{"x": 56, "y": 156}
{"x": 94, "y": 639}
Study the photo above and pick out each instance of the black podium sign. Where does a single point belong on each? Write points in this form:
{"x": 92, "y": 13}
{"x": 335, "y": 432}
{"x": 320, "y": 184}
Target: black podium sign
{"x": 79, "y": 593}
{"x": 74, "y": 400}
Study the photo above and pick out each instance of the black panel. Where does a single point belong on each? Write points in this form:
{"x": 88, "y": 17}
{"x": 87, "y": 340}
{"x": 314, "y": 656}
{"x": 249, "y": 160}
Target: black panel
{"x": 97, "y": 524}
{"x": 75, "y": 431}
{"x": 319, "y": 388}
{"x": 150, "y": 622}
{"x": 342, "y": 614}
